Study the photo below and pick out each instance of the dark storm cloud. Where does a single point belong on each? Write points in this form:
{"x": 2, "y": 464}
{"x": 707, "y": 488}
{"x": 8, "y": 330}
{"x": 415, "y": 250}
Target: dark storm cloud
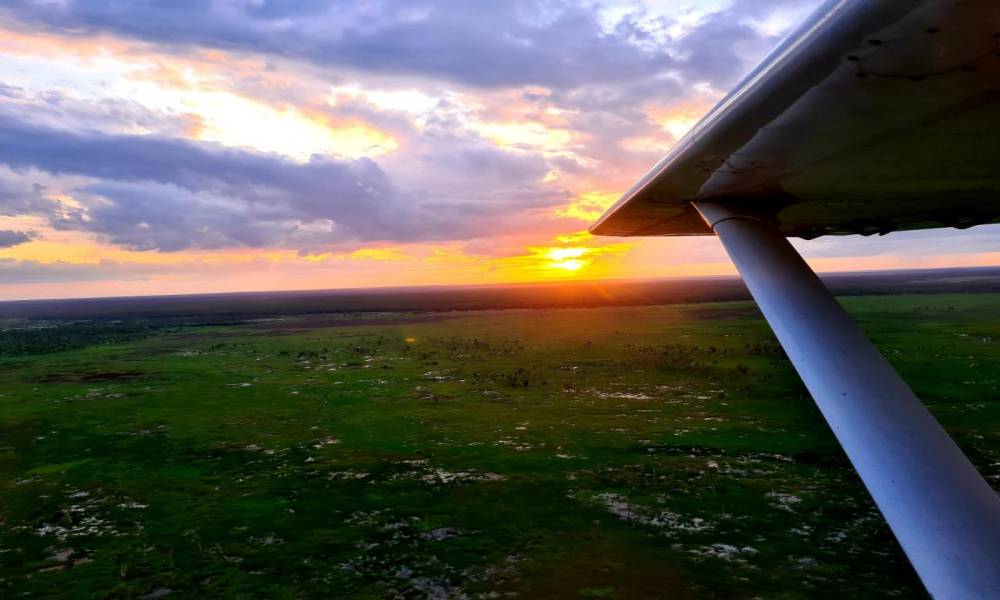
{"x": 162, "y": 193}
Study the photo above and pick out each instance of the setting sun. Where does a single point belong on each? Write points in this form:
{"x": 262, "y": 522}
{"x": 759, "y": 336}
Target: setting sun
{"x": 567, "y": 259}
{"x": 570, "y": 265}
{"x": 564, "y": 253}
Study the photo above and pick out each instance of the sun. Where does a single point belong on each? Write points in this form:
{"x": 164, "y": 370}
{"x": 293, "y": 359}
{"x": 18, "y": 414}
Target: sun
{"x": 570, "y": 265}
{"x": 567, "y": 259}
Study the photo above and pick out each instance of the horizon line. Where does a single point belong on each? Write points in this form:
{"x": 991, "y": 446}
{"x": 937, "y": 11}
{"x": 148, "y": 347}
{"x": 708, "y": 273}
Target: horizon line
{"x": 542, "y": 283}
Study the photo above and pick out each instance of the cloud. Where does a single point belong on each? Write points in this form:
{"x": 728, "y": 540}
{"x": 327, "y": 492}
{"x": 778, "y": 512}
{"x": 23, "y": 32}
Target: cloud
{"x": 150, "y": 192}
{"x": 18, "y": 200}
{"x": 61, "y": 110}
{"x": 487, "y": 44}
{"x": 599, "y": 64}
{"x": 578, "y": 96}
{"x": 10, "y": 238}
{"x": 14, "y": 271}
{"x": 924, "y": 242}
{"x": 555, "y": 43}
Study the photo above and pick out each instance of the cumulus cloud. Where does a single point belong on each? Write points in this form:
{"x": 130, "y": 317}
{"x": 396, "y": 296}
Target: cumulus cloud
{"x": 554, "y": 43}
{"x": 153, "y": 192}
{"x": 61, "y": 110}
{"x": 160, "y": 191}
{"x": 560, "y": 43}
{"x": 9, "y": 238}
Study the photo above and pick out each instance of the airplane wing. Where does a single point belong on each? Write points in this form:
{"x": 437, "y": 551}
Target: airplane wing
{"x": 873, "y": 116}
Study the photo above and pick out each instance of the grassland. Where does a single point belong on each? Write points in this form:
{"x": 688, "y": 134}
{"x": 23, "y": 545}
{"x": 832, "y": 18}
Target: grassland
{"x": 640, "y": 452}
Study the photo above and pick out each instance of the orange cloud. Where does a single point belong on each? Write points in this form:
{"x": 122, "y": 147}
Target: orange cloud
{"x": 15, "y": 42}
{"x": 377, "y": 254}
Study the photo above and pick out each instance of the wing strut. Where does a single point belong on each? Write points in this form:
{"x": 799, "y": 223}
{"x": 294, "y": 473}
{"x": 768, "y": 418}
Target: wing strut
{"x": 944, "y": 514}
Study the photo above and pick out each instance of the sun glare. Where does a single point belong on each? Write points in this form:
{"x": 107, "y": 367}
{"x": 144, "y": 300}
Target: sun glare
{"x": 570, "y": 265}
{"x": 567, "y": 259}
{"x": 566, "y": 253}
{"x": 570, "y": 259}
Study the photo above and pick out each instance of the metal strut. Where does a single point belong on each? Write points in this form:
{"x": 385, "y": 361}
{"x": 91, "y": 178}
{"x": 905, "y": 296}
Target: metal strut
{"x": 944, "y": 514}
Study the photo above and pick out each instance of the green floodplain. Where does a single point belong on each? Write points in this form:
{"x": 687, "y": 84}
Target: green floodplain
{"x": 630, "y": 452}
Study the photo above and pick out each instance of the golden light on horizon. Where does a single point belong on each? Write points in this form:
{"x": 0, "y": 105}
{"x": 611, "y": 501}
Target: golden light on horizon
{"x": 570, "y": 265}
{"x": 559, "y": 254}
{"x": 568, "y": 259}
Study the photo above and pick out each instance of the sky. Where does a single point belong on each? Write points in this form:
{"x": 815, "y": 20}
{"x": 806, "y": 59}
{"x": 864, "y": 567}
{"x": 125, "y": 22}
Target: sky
{"x": 193, "y": 146}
